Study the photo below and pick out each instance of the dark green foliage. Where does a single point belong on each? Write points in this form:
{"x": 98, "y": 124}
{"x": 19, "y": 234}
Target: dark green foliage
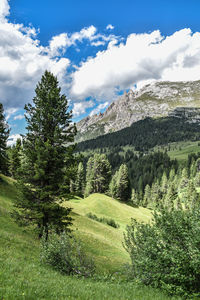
{"x": 4, "y": 133}
{"x": 146, "y": 134}
{"x": 143, "y": 169}
{"x": 166, "y": 254}
{"x": 47, "y": 156}
{"x": 134, "y": 198}
{"x": 80, "y": 181}
{"x": 65, "y": 254}
{"x": 109, "y": 222}
{"x": 120, "y": 185}
{"x": 98, "y": 174}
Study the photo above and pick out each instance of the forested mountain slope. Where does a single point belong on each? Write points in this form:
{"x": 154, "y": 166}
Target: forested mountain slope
{"x": 153, "y": 100}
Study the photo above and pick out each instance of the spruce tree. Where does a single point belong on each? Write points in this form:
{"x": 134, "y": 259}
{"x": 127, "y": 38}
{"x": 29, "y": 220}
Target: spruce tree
{"x": 98, "y": 174}
{"x": 147, "y": 195}
{"x": 192, "y": 197}
{"x": 79, "y": 183}
{"x": 49, "y": 132}
{"x": 4, "y": 133}
{"x": 134, "y": 198}
{"x": 171, "y": 197}
{"x": 113, "y": 185}
{"x": 123, "y": 184}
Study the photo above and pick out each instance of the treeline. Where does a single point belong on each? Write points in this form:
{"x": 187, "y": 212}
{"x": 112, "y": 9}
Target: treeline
{"x": 143, "y": 169}
{"x": 146, "y": 134}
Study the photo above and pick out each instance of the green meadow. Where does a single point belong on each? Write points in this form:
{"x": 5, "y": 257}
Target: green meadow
{"x": 22, "y": 276}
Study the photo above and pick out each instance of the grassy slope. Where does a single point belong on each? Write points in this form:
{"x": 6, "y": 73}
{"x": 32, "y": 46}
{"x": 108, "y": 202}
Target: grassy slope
{"x": 102, "y": 241}
{"x": 180, "y": 150}
{"x": 23, "y": 277}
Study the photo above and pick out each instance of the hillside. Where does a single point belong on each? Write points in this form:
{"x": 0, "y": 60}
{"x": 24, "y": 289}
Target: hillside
{"x": 146, "y": 134}
{"x": 103, "y": 241}
{"x": 153, "y": 100}
{"x": 23, "y": 277}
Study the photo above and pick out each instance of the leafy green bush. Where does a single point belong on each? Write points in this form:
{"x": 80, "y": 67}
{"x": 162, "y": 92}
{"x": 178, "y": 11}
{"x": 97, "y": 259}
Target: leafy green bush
{"x": 65, "y": 254}
{"x": 166, "y": 254}
{"x": 109, "y": 222}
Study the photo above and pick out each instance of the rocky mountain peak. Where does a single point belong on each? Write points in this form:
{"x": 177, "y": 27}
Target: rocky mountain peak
{"x": 153, "y": 100}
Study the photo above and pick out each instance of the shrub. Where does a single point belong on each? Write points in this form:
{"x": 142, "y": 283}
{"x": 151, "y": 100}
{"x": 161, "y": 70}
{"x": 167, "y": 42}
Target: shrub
{"x": 109, "y": 222}
{"x": 65, "y": 254}
{"x": 166, "y": 254}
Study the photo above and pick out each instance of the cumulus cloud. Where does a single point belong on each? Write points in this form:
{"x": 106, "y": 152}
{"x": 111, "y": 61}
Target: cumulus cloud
{"x": 80, "y": 107}
{"x": 140, "y": 59}
{"x": 22, "y": 61}
{"x": 58, "y": 44}
{"x": 4, "y": 10}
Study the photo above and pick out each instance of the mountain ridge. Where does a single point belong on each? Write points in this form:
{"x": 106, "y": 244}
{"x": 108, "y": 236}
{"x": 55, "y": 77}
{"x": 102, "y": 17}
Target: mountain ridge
{"x": 157, "y": 99}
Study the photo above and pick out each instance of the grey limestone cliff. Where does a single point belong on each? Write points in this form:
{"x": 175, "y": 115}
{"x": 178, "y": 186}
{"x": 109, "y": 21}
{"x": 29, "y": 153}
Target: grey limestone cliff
{"x": 153, "y": 100}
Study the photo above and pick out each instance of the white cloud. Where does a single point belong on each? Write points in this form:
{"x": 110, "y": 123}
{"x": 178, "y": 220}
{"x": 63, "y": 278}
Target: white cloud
{"x": 59, "y": 44}
{"x": 80, "y": 107}
{"x": 99, "y": 108}
{"x": 22, "y": 61}
{"x": 110, "y": 27}
{"x": 18, "y": 117}
{"x": 10, "y": 112}
{"x": 4, "y": 10}
{"x": 12, "y": 139}
{"x": 142, "y": 58}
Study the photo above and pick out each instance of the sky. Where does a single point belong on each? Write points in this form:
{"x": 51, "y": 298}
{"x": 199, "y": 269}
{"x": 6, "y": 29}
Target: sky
{"x": 97, "y": 49}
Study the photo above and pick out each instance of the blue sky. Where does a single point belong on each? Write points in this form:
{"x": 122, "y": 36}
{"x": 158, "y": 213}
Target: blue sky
{"x": 97, "y": 49}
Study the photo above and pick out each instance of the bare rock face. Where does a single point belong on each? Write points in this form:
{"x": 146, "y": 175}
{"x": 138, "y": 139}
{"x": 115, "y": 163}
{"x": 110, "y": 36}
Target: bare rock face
{"x": 191, "y": 114}
{"x": 153, "y": 100}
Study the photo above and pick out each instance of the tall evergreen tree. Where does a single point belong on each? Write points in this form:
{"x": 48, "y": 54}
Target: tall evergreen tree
{"x": 171, "y": 197}
{"x": 47, "y": 154}
{"x": 79, "y": 183}
{"x": 113, "y": 185}
{"x": 147, "y": 195}
{"x": 123, "y": 187}
{"x": 98, "y": 174}
{"x": 134, "y": 198}
{"x": 4, "y": 133}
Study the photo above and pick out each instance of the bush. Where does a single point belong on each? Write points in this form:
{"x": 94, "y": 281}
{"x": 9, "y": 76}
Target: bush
{"x": 65, "y": 254}
{"x": 166, "y": 254}
{"x": 109, "y": 222}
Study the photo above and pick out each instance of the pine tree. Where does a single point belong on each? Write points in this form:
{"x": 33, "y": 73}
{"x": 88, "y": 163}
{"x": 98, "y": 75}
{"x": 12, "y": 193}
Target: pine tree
{"x": 192, "y": 197}
{"x": 164, "y": 183}
{"x": 171, "y": 197}
{"x": 156, "y": 195}
{"x": 147, "y": 195}
{"x": 79, "y": 183}
{"x": 134, "y": 198}
{"x": 184, "y": 178}
{"x": 171, "y": 175}
{"x": 123, "y": 184}
{"x": 4, "y": 133}
{"x": 49, "y": 133}
{"x": 98, "y": 174}
{"x": 113, "y": 185}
